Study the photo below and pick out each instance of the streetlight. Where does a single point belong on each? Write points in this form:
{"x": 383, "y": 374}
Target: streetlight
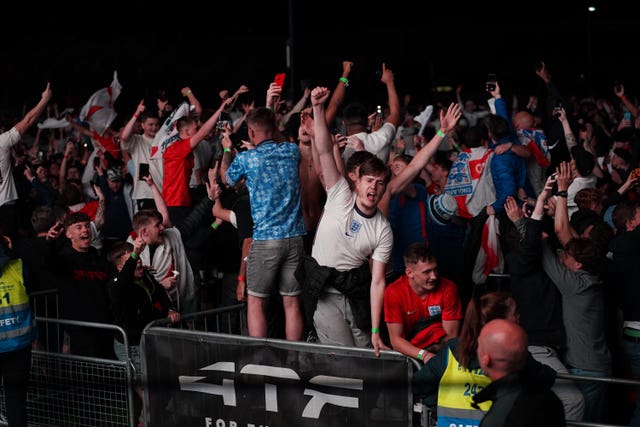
{"x": 590, "y": 9}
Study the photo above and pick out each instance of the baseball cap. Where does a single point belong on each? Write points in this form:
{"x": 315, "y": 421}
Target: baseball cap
{"x": 114, "y": 175}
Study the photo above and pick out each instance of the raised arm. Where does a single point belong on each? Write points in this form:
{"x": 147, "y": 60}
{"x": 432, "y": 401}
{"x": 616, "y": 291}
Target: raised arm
{"x": 338, "y": 93}
{"x": 562, "y": 226}
{"x": 273, "y": 96}
{"x": 447, "y": 122}
{"x": 323, "y": 139}
{"x": 32, "y": 115}
{"x": 161, "y": 205}
{"x": 197, "y": 107}
{"x": 127, "y": 131}
{"x": 209, "y": 124}
{"x": 619, "y": 91}
{"x": 569, "y": 136}
{"x": 393, "y": 100}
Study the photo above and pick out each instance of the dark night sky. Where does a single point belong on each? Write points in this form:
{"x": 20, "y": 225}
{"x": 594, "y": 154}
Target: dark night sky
{"x": 222, "y": 45}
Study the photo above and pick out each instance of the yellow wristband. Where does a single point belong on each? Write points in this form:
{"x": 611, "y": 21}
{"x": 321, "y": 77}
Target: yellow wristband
{"x": 375, "y": 330}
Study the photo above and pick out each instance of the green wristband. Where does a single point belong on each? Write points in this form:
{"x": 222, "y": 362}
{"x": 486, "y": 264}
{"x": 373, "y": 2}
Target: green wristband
{"x": 135, "y": 255}
{"x": 440, "y": 133}
{"x": 214, "y": 225}
{"x": 375, "y": 330}
{"x": 345, "y": 81}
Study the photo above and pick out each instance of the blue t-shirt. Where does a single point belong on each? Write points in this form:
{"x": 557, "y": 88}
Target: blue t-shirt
{"x": 271, "y": 175}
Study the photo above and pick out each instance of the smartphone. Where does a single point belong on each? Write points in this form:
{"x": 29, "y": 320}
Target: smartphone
{"x": 491, "y": 82}
{"x": 143, "y": 171}
{"x": 279, "y": 79}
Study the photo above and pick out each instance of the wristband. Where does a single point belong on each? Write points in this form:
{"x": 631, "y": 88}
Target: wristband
{"x": 135, "y": 115}
{"x": 214, "y": 225}
{"x": 135, "y": 256}
{"x": 187, "y": 93}
{"x": 241, "y": 279}
{"x": 562, "y": 193}
{"x": 375, "y": 330}
{"x": 226, "y": 149}
{"x": 421, "y": 355}
{"x": 345, "y": 81}
{"x": 440, "y": 133}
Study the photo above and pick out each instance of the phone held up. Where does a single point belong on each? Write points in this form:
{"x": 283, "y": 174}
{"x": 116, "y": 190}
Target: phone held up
{"x": 279, "y": 79}
{"x": 143, "y": 171}
{"x": 557, "y": 109}
{"x": 491, "y": 82}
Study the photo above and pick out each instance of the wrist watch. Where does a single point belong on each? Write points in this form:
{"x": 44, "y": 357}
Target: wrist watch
{"x": 562, "y": 193}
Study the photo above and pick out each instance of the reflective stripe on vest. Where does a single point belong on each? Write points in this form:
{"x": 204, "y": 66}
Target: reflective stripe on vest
{"x": 455, "y": 392}
{"x": 16, "y": 320}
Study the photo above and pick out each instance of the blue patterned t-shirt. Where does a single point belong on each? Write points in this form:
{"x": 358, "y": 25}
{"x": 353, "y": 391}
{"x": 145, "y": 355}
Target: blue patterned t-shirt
{"x": 271, "y": 175}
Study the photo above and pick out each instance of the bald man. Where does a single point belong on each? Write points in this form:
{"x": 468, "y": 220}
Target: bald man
{"x": 520, "y": 388}
{"x": 502, "y": 348}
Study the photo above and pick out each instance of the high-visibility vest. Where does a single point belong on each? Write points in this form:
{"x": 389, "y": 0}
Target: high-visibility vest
{"x": 17, "y": 322}
{"x": 457, "y": 387}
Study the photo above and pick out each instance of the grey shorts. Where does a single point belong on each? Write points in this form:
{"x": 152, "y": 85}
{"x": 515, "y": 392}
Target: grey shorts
{"x": 274, "y": 262}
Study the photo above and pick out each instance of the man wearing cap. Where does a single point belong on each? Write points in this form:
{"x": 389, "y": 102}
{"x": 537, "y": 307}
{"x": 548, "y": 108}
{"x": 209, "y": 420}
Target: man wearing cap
{"x": 119, "y": 204}
{"x": 421, "y": 309}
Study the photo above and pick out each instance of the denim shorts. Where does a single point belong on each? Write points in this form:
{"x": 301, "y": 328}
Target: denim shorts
{"x": 274, "y": 262}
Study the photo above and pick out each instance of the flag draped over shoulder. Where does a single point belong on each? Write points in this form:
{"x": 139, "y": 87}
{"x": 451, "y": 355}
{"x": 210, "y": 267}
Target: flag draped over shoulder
{"x": 99, "y": 111}
{"x": 490, "y": 258}
{"x": 168, "y": 134}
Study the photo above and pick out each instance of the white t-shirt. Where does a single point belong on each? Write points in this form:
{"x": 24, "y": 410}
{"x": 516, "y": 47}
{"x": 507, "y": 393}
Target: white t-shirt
{"x": 139, "y": 147}
{"x": 8, "y": 191}
{"x": 378, "y": 142}
{"x": 345, "y": 239}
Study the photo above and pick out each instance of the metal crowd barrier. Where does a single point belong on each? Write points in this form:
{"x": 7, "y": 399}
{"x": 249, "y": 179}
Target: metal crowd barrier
{"x": 69, "y": 390}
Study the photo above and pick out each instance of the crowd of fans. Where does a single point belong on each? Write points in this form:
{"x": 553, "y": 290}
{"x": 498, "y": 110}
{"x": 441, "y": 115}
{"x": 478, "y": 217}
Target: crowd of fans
{"x": 407, "y": 228}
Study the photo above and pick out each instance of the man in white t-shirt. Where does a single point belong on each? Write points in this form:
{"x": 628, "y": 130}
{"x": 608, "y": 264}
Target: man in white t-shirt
{"x": 9, "y": 212}
{"x": 351, "y": 233}
{"x": 139, "y": 147}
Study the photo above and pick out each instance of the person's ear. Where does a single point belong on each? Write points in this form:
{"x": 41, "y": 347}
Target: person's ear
{"x": 408, "y": 272}
{"x": 485, "y": 360}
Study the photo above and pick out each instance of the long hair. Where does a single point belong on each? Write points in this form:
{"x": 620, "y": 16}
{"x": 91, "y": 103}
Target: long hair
{"x": 492, "y": 305}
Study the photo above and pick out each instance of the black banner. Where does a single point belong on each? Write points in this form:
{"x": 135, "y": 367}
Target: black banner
{"x": 214, "y": 380}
